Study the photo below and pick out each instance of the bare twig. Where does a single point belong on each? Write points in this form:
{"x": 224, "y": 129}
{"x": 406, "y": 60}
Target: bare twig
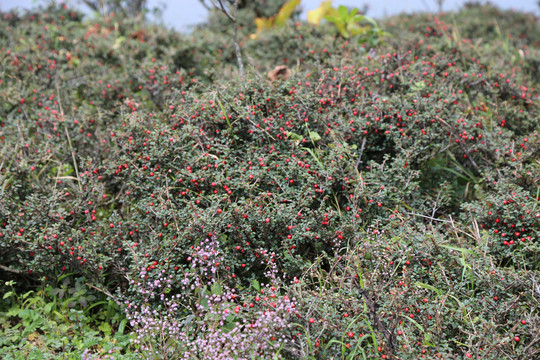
{"x": 360, "y": 153}
{"x": 203, "y": 3}
{"x": 14, "y": 271}
{"x": 104, "y": 291}
{"x": 428, "y": 217}
{"x": 371, "y": 304}
{"x": 68, "y": 138}
{"x": 218, "y": 4}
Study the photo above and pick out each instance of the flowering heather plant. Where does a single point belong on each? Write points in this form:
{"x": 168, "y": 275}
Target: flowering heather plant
{"x": 204, "y": 318}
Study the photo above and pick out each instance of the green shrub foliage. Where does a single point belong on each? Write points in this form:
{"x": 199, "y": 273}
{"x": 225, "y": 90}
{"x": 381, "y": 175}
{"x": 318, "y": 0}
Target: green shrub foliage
{"x": 380, "y": 203}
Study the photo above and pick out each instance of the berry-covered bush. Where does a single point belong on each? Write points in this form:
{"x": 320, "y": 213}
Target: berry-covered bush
{"x": 378, "y": 203}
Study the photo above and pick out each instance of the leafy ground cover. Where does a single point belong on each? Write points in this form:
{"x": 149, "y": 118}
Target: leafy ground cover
{"x": 381, "y": 202}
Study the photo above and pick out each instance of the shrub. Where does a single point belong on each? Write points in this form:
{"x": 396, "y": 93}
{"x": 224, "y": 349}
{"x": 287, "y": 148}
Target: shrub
{"x": 397, "y": 185}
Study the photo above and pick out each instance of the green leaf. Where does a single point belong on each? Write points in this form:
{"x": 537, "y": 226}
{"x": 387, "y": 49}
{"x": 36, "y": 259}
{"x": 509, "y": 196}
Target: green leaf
{"x": 294, "y": 136}
{"x": 119, "y": 41}
{"x": 14, "y": 311}
{"x": 256, "y": 285}
{"x": 224, "y": 113}
{"x": 420, "y": 327}
{"x": 8, "y": 294}
{"x": 105, "y": 328}
{"x": 95, "y": 304}
{"x": 314, "y": 136}
{"x": 466, "y": 251}
{"x": 314, "y": 156}
{"x": 371, "y": 21}
{"x": 427, "y": 340}
{"x": 342, "y": 30}
{"x": 429, "y": 287}
{"x": 228, "y": 327}
{"x": 343, "y": 12}
{"x": 333, "y": 19}
{"x": 420, "y": 85}
{"x": 122, "y": 326}
{"x": 49, "y": 306}
{"x": 27, "y": 294}
{"x": 189, "y": 319}
{"x": 358, "y": 18}
{"x": 65, "y": 276}
{"x": 216, "y": 289}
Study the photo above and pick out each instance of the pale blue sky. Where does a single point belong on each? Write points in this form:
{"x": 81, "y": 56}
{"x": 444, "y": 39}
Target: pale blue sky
{"x": 180, "y": 14}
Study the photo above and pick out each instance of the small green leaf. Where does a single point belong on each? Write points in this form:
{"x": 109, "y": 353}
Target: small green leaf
{"x": 49, "y": 306}
{"x": 294, "y": 136}
{"x": 27, "y": 294}
{"x": 420, "y": 327}
{"x": 429, "y": 287}
{"x": 343, "y": 31}
{"x": 333, "y": 19}
{"x": 314, "y": 136}
{"x": 227, "y": 328}
{"x": 450, "y": 247}
{"x": 358, "y": 18}
{"x": 105, "y": 328}
{"x": 256, "y": 285}
{"x": 216, "y": 289}
{"x": 122, "y": 326}
{"x": 371, "y": 21}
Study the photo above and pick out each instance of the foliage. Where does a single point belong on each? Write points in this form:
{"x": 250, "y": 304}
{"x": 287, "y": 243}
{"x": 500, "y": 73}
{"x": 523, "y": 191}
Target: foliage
{"x": 382, "y": 202}
{"x": 280, "y": 19}
{"x": 348, "y": 26}
{"x": 67, "y": 320}
{"x": 348, "y": 23}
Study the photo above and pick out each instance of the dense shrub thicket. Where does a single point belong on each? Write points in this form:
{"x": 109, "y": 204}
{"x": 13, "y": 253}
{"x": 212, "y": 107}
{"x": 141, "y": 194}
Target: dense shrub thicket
{"x": 380, "y": 203}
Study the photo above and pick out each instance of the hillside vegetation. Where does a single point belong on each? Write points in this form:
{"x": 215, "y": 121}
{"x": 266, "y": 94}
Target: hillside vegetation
{"x": 382, "y": 201}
